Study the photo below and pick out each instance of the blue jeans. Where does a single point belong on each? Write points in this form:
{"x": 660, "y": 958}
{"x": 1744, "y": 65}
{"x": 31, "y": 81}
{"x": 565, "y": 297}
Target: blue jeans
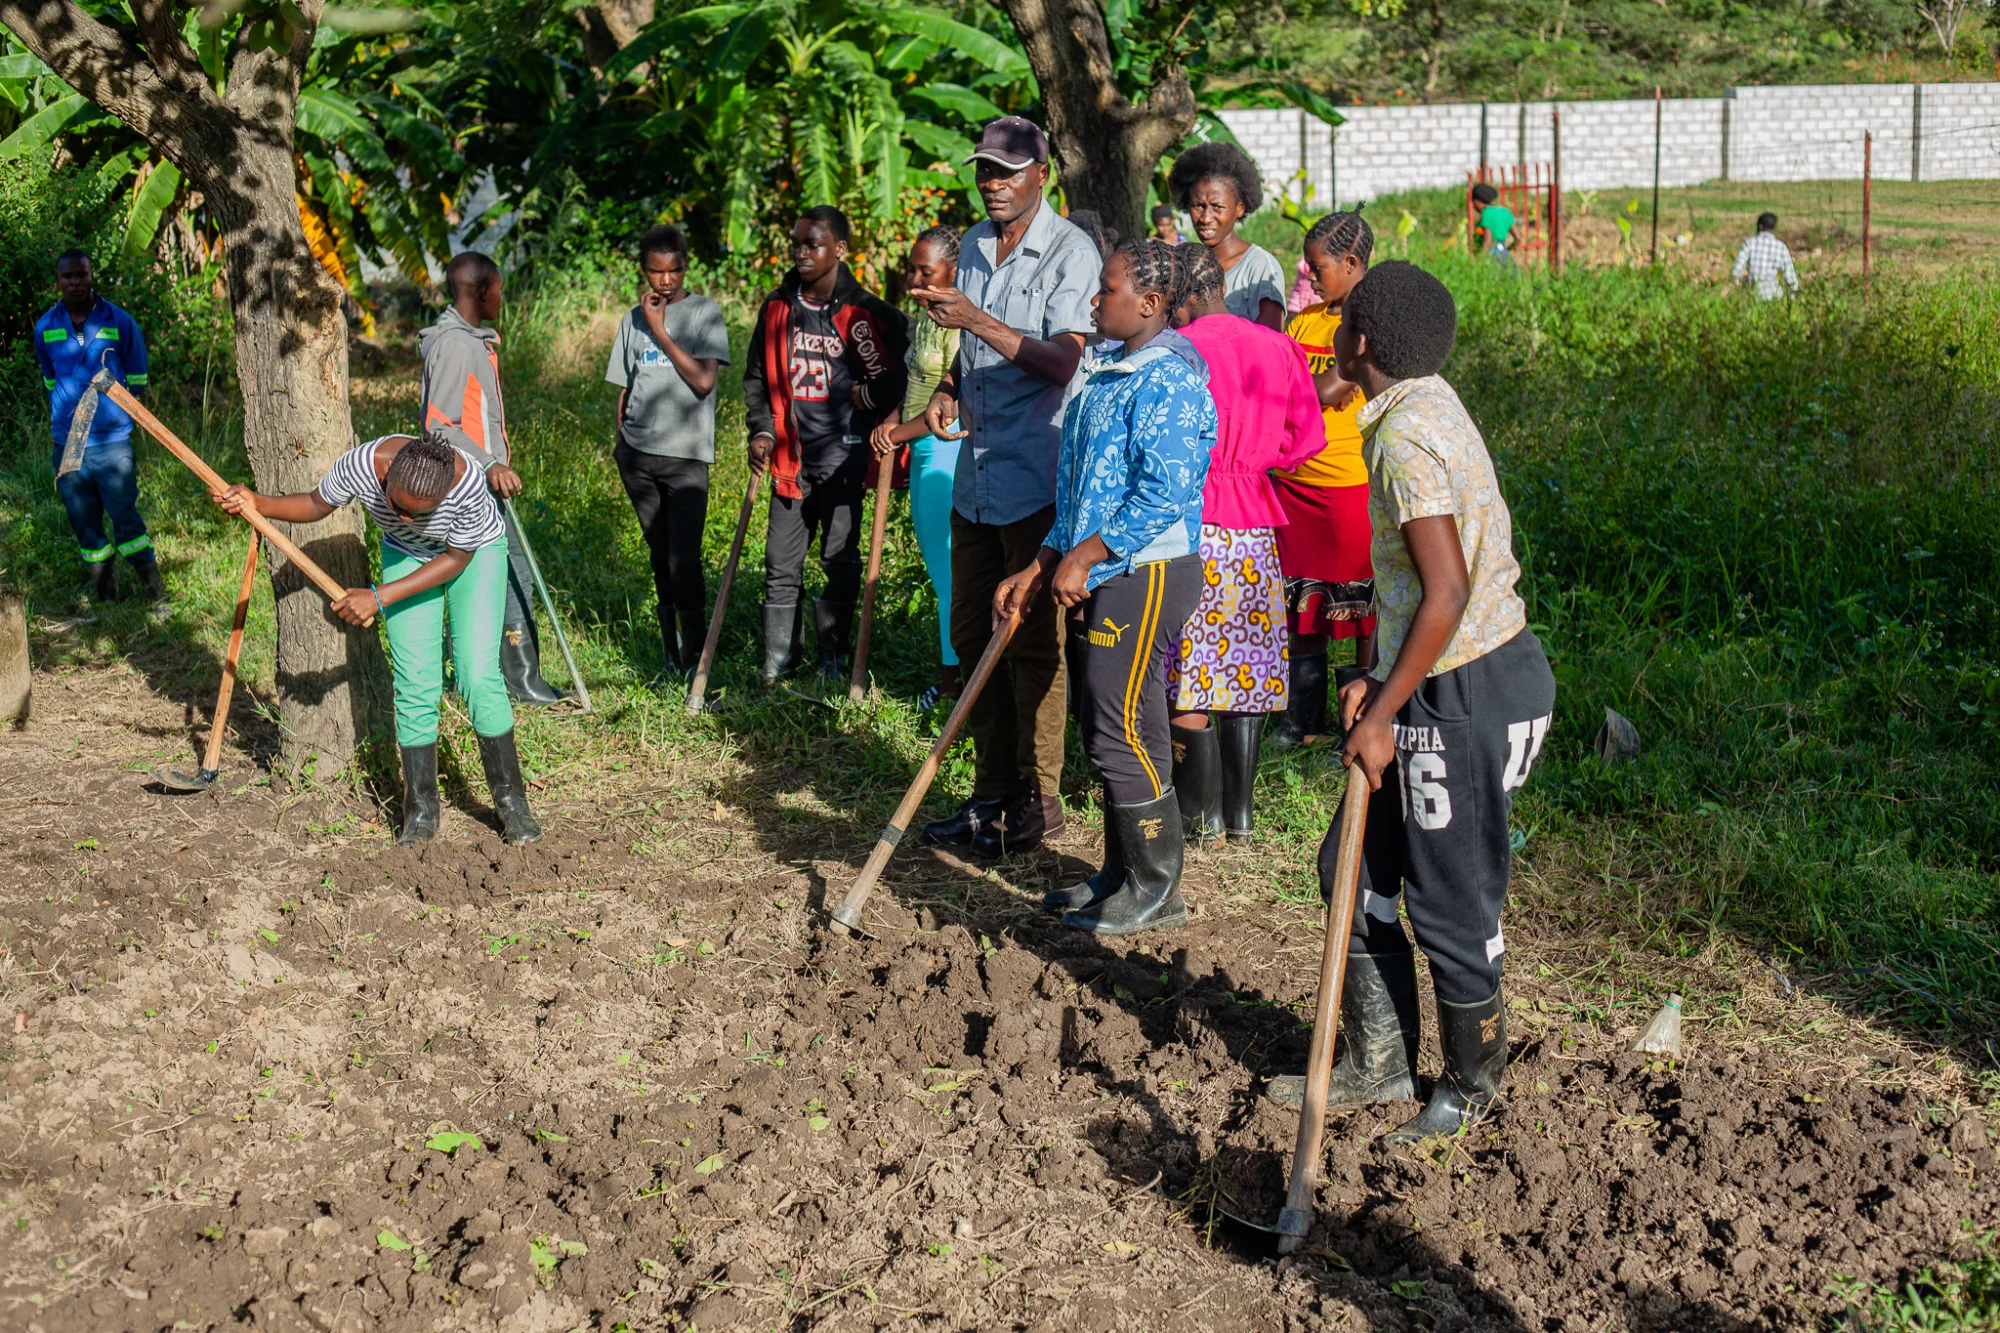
{"x": 107, "y": 483}
{"x": 933, "y": 467}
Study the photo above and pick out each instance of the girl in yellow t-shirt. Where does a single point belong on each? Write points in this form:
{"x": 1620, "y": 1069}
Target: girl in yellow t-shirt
{"x": 1323, "y": 548}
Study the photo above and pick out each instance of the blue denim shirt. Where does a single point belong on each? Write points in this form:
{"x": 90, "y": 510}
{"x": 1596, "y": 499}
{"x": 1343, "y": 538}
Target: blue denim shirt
{"x": 1135, "y": 450}
{"x": 1007, "y": 465}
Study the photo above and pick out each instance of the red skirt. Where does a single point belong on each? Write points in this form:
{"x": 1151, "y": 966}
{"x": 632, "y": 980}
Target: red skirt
{"x": 1323, "y": 551}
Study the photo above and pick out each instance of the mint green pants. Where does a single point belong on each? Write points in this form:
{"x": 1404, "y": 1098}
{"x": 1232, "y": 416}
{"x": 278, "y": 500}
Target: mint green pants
{"x": 477, "y": 598}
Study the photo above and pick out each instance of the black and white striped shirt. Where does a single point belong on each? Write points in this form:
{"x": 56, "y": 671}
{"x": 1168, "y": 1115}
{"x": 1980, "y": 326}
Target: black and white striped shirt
{"x": 466, "y": 519}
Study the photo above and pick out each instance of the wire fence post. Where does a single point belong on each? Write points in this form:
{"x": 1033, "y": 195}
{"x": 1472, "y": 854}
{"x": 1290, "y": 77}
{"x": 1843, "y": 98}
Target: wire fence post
{"x": 1867, "y": 197}
{"x": 1653, "y": 254}
{"x": 1556, "y": 193}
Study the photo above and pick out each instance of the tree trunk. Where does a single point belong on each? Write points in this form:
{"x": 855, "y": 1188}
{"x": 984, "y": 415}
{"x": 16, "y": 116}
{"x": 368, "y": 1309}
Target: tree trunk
{"x": 291, "y": 359}
{"x": 291, "y": 333}
{"x": 1106, "y": 146}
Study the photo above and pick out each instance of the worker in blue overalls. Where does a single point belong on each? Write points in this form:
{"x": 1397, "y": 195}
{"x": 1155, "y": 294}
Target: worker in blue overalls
{"x": 79, "y": 335}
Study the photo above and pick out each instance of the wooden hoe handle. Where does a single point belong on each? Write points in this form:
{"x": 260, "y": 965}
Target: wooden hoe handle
{"x": 1296, "y": 1219}
{"x": 885, "y": 475}
{"x": 848, "y": 915}
{"x": 699, "y": 686}
{"x": 212, "y": 760}
{"x": 118, "y": 394}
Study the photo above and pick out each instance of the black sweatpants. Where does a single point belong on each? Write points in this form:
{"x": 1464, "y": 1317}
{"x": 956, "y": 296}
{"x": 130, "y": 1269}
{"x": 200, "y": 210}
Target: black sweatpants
{"x": 1131, "y": 622}
{"x": 1437, "y": 830}
{"x": 670, "y": 497}
{"x": 829, "y": 508}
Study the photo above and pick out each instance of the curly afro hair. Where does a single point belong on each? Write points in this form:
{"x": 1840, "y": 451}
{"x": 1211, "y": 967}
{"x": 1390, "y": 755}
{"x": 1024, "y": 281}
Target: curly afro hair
{"x": 1212, "y": 162}
{"x": 1407, "y": 316}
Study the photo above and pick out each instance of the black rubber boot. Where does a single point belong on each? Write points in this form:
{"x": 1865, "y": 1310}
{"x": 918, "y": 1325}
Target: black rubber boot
{"x": 673, "y": 660}
{"x": 1198, "y": 779}
{"x": 694, "y": 636}
{"x": 151, "y": 580}
{"x": 104, "y": 581}
{"x": 1474, "y": 1038}
{"x": 420, "y": 794}
{"x": 1150, "y": 897}
{"x": 960, "y": 827}
{"x": 1305, "y": 704}
{"x": 1103, "y": 883}
{"x": 781, "y": 641}
{"x": 1241, "y": 735}
{"x": 1379, "y": 1029}
{"x": 510, "y": 794}
{"x": 833, "y": 625}
{"x": 521, "y": 657}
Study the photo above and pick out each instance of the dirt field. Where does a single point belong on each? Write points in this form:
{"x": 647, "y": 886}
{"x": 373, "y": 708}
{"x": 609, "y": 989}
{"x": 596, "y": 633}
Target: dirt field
{"x": 249, "y": 1043}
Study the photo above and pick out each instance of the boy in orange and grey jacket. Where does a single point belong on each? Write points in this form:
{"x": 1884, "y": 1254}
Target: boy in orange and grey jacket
{"x": 461, "y": 402}
{"x": 825, "y": 364}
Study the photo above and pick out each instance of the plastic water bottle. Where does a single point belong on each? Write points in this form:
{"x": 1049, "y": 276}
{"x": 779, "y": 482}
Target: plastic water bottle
{"x": 1663, "y": 1034}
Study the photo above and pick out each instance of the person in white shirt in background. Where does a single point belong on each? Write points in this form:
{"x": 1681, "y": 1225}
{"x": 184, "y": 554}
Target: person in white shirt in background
{"x": 1764, "y": 259}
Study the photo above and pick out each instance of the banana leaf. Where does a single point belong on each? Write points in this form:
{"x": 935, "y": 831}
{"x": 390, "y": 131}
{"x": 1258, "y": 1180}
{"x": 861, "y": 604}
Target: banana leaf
{"x": 149, "y": 207}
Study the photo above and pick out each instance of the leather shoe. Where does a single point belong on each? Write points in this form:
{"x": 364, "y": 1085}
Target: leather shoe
{"x": 1025, "y": 820}
{"x": 960, "y": 827}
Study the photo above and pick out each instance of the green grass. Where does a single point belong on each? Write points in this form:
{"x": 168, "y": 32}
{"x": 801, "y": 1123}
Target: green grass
{"x": 1764, "y": 533}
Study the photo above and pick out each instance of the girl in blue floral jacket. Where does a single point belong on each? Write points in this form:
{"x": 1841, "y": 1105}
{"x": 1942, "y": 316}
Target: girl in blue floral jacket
{"x": 1135, "y": 452}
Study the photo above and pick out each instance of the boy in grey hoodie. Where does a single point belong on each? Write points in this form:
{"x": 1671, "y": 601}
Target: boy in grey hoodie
{"x": 461, "y": 401}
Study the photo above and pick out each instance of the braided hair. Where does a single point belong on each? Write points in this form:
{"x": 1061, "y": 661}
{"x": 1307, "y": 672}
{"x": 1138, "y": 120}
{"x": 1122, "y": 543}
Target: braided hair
{"x": 425, "y": 468}
{"x": 1200, "y": 273}
{"x": 943, "y": 237}
{"x": 1339, "y": 235}
{"x": 1154, "y": 268}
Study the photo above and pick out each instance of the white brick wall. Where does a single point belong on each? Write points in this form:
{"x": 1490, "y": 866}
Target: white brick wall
{"x": 1943, "y": 131}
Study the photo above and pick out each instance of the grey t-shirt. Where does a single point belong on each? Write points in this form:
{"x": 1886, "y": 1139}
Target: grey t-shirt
{"x": 1255, "y": 279}
{"x": 663, "y": 416}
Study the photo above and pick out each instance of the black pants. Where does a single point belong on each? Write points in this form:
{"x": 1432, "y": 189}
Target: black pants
{"x": 1017, "y": 721}
{"x": 1437, "y": 830}
{"x": 1132, "y": 620}
{"x": 670, "y": 496}
{"x": 831, "y": 509}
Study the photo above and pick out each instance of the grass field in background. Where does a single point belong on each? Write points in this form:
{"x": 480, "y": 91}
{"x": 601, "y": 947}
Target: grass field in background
{"x": 1764, "y": 533}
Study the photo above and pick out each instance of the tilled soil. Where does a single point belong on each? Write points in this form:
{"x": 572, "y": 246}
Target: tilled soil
{"x": 269, "y": 1075}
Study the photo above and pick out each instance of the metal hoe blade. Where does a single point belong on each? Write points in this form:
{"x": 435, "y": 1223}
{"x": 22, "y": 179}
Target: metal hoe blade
{"x": 79, "y": 425}
{"x": 182, "y": 783}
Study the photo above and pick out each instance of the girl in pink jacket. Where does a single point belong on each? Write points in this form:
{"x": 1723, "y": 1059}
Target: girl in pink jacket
{"x": 1231, "y": 660}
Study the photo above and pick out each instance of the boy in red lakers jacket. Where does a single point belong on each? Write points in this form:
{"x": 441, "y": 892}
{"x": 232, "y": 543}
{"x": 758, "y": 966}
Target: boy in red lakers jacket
{"x": 825, "y": 363}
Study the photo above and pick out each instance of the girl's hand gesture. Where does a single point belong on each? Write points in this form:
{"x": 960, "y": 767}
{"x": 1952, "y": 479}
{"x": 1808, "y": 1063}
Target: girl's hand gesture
{"x": 883, "y": 438}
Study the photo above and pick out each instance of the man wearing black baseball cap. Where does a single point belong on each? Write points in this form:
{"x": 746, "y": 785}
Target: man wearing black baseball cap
{"x": 1022, "y": 299}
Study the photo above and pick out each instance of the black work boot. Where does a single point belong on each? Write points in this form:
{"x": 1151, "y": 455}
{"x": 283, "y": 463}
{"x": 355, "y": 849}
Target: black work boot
{"x": 151, "y": 580}
{"x": 104, "y": 581}
{"x": 694, "y": 637}
{"x": 420, "y": 794}
{"x": 833, "y": 624}
{"x": 1241, "y": 733}
{"x": 1474, "y": 1038}
{"x": 521, "y": 657}
{"x": 1379, "y": 1030}
{"x": 1025, "y": 820}
{"x": 1305, "y": 704}
{"x": 960, "y": 827}
{"x": 673, "y": 658}
{"x": 1198, "y": 779}
{"x": 781, "y": 641}
{"x": 1150, "y": 898}
{"x": 1103, "y": 883}
{"x": 510, "y": 794}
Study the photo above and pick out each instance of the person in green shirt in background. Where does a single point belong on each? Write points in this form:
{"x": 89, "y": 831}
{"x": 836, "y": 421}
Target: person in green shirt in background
{"x": 1496, "y": 221}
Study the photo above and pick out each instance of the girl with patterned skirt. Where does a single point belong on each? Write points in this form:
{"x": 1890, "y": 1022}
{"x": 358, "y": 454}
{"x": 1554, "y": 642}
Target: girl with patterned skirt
{"x": 1231, "y": 658}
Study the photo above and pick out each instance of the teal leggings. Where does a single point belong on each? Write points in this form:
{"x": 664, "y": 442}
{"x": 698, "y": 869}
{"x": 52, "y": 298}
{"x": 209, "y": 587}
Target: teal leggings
{"x": 477, "y": 598}
{"x": 933, "y": 468}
